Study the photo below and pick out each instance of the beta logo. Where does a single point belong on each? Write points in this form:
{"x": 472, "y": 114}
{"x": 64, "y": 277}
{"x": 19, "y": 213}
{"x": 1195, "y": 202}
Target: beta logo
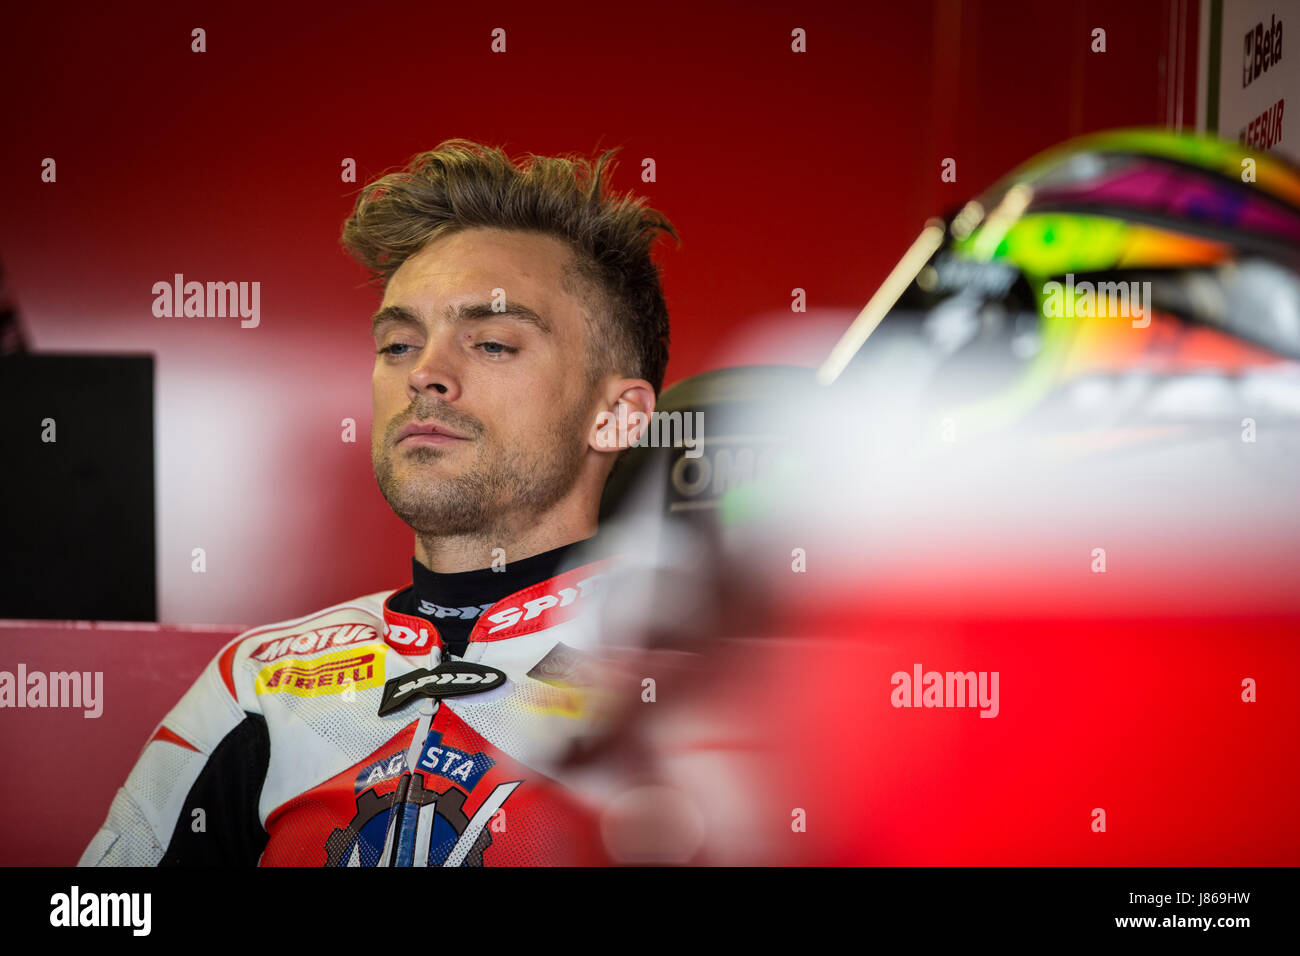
{"x": 331, "y": 674}
{"x": 1261, "y": 50}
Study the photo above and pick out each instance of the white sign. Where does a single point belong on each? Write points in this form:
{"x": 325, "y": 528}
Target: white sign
{"x": 1252, "y": 86}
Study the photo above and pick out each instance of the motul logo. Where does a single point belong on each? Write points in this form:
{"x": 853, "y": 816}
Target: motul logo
{"x": 313, "y": 641}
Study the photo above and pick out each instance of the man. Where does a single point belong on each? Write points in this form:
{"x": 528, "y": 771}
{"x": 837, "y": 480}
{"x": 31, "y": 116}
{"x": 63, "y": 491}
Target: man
{"x": 521, "y": 309}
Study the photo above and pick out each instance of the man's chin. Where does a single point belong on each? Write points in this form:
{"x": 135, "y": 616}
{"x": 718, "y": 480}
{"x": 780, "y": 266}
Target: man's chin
{"x": 432, "y": 492}
{"x": 437, "y": 517}
{"x": 435, "y": 505}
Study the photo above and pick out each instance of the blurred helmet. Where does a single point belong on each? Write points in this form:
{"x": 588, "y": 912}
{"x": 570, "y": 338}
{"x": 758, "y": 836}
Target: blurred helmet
{"x": 1133, "y": 256}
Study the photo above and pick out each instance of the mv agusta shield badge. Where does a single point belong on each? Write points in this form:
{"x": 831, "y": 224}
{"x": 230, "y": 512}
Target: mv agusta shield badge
{"x": 449, "y": 679}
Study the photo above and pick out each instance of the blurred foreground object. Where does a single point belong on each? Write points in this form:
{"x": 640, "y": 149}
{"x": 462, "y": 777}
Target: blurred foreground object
{"x": 1021, "y": 562}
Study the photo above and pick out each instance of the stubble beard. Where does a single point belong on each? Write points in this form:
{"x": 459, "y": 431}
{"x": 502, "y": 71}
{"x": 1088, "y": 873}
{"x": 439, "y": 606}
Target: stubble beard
{"x": 499, "y": 487}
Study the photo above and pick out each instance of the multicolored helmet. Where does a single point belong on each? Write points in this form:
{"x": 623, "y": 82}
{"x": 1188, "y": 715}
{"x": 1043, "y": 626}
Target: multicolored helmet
{"x": 1126, "y": 252}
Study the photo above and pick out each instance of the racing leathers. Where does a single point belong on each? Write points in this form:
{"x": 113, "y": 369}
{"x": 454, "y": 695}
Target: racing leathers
{"x": 279, "y": 753}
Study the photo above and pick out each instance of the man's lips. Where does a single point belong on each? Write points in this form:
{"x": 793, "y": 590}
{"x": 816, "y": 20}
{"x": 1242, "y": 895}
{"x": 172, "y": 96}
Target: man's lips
{"x": 431, "y": 433}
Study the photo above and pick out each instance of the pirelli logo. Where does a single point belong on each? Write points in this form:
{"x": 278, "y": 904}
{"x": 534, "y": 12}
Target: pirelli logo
{"x": 360, "y": 669}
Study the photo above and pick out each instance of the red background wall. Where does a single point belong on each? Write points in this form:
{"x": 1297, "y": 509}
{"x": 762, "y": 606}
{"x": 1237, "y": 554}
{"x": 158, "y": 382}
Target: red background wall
{"x": 780, "y": 170}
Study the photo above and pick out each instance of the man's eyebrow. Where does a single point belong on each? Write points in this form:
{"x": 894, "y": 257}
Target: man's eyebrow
{"x": 393, "y": 313}
{"x": 463, "y": 313}
{"x": 485, "y": 310}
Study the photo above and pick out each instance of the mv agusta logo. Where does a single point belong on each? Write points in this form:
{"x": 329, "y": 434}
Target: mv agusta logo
{"x": 414, "y": 825}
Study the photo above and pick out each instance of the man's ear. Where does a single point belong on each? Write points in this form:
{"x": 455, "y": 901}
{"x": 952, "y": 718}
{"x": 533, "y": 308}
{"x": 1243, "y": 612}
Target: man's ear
{"x": 624, "y": 415}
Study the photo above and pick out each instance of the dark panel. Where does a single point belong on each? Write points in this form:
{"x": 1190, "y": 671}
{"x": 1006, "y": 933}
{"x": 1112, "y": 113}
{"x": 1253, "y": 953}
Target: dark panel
{"x": 77, "y": 520}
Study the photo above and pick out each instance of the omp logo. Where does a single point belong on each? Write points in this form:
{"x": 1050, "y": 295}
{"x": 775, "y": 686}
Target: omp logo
{"x": 330, "y": 674}
{"x": 313, "y": 641}
{"x": 529, "y": 610}
{"x": 702, "y": 482}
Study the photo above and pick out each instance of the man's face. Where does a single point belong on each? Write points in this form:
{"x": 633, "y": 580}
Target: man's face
{"x": 509, "y": 390}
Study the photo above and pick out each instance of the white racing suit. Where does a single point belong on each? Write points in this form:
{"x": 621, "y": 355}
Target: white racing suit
{"x": 277, "y": 754}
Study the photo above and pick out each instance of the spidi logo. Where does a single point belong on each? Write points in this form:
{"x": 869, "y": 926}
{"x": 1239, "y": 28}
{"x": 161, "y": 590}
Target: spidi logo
{"x": 532, "y": 610}
{"x": 401, "y": 636}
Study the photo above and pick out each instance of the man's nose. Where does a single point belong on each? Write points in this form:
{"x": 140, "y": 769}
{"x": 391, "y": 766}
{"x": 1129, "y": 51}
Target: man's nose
{"x": 434, "y": 373}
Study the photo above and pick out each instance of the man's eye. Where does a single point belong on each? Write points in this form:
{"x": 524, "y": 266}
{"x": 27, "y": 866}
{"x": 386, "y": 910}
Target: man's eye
{"x": 495, "y": 348}
{"x": 392, "y": 349}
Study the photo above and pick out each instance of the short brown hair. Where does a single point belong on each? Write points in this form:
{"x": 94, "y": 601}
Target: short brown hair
{"x": 462, "y": 184}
